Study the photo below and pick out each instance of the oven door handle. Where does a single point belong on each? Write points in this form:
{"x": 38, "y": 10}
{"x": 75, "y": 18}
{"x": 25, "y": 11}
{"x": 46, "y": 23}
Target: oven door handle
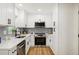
{"x": 21, "y": 46}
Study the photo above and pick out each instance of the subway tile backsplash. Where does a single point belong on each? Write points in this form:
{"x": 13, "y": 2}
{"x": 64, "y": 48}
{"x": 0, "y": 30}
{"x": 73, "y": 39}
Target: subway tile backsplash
{"x": 2, "y": 34}
{"x": 39, "y": 30}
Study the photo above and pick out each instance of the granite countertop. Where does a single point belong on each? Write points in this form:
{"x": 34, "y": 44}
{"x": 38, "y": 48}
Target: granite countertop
{"x": 12, "y": 42}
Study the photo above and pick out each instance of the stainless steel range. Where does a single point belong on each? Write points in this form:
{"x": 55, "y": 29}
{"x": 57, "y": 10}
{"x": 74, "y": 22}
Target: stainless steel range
{"x": 40, "y": 39}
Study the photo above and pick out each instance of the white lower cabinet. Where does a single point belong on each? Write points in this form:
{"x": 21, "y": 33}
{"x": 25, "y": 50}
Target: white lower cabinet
{"x": 49, "y": 40}
{"x": 29, "y": 42}
{"x": 32, "y": 40}
{"x": 12, "y": 51}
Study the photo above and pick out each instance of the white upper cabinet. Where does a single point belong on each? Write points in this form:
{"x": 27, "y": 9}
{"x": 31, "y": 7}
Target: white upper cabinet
{"x": 49, "y": 40}
{"x": 30, "y": 21}
{"x": 11, "y": 13}
{"x": 3, "y": 16}
{"x": 32, "y": 18}
{"x": 39, "y": 18}
{"x": 20, "y": 18}
{"x": 48, "y": 20}
{"x": 6, "y": 13}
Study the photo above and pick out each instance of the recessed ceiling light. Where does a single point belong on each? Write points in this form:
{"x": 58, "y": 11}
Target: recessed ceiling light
{"x": 20, "y": 4}
{"x": 38, "y": 9}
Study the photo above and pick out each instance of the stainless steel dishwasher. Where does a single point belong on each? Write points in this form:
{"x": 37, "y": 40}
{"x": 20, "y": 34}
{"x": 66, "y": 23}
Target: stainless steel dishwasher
{"x": 21, "y": 48}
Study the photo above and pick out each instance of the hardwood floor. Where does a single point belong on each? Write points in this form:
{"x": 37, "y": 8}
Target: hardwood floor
{"x": 40, "y": 50}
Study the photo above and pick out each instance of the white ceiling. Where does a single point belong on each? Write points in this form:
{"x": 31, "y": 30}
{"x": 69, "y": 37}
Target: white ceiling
{"x": 33, "y": 7}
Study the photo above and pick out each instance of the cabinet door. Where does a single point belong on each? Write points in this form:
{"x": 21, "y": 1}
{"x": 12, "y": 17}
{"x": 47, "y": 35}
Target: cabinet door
{"x": 4, "y": 15}
{"x": 6, "y": 11}
{"x": 48, "y": 21}
{"x": 32, "y": 40}
{"x": 31, "y": 21}
{"x": 10, "y": 13}
{"x": 0, "y": 14}
{"x": 27, "y": 44}
{"x": 49, "y": 41}
{"x": 3, "y": 12}
{"x": 20, "y": 18}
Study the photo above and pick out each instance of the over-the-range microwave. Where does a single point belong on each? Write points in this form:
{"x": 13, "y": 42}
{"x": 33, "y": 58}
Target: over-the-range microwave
{"x": 40, "y": 24}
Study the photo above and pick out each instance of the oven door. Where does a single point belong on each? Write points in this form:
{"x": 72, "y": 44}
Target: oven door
{"x": 21, "y": 49}
{"x": 40, "y": 40}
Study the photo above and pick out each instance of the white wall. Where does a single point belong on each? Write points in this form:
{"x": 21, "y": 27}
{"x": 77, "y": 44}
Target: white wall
{"x": 78, "y": 33}
{"x": 67, "y": 29}
{"x": 75, "y": 41}
{"x": 55, "y": 34}
{"x": 78, "y": 28}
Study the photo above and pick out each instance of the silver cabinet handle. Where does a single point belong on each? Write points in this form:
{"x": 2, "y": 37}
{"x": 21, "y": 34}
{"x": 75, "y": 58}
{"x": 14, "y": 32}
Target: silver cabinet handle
{"x": 21, "y": 46}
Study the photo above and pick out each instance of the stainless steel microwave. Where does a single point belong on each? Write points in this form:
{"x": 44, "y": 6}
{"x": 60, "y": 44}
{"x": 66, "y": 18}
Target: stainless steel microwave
{"x": 39, "y": 24}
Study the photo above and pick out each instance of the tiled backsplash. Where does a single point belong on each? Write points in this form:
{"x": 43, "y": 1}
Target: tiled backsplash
{"x": 2, "y": 35}
{"x": 39, "y": 30}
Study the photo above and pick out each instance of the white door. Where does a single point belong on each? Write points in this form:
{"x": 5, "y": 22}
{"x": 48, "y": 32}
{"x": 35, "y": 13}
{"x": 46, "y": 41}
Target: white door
{"x": 78, "y": 33}
{"x": 67, "y": 29}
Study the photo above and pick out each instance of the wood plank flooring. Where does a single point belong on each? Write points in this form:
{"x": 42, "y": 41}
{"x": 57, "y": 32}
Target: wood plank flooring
{"x": 40, "y": 50}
